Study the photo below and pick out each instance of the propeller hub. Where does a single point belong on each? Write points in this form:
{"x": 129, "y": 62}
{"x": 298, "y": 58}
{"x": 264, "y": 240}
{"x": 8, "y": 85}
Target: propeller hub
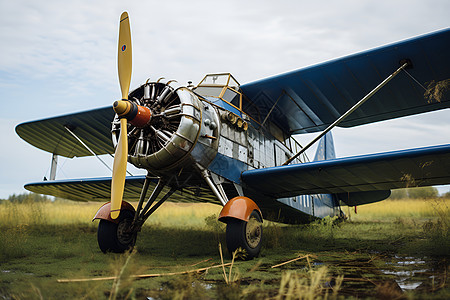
{"x": 122, "y": 108}
{"x": 137, "y": 115}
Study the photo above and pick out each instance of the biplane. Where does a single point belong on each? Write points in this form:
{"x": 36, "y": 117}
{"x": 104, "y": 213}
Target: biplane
{"x": 233, "y": 145}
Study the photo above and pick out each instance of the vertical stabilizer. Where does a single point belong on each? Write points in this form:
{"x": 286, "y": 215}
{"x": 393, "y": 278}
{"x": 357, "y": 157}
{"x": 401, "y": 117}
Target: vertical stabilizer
{"x": 325, "y": 149}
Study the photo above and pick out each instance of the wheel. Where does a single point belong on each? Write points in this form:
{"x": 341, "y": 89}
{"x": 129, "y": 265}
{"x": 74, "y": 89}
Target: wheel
{"x": 245, "y": 235}
{"x": 114, "y": 237}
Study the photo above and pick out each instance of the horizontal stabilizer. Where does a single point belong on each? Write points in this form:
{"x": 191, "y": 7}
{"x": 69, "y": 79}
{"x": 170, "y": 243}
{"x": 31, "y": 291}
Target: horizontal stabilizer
{"x": 382, "y": 171}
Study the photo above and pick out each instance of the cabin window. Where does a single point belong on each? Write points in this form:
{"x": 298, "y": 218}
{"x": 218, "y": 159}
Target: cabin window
{"x": 232, "y": 97}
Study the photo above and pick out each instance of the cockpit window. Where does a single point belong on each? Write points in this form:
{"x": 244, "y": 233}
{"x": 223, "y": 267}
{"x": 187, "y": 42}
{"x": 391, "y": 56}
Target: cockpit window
{"x": 233, "y": 97}
{"x": 225, "y": 79}
{"x": 209, "y": 91}
{"x": 223, "y": 86}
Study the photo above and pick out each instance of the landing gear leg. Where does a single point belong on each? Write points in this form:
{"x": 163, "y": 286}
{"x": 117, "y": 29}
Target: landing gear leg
{"x": 120, "y": 235}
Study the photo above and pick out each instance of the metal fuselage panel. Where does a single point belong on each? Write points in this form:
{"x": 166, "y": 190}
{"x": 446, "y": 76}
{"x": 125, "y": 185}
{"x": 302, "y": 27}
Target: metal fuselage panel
{"x": 240, "y": 150}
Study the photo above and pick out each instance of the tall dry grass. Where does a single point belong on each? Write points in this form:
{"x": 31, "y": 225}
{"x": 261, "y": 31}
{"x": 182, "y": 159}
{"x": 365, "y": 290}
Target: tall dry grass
{"x": 193, "y": 215}
{"x": 429, "y": 217}
{"x": 404, "y": 208}
{"x": 68, "y": 212}
{"x": 46, "y": 213}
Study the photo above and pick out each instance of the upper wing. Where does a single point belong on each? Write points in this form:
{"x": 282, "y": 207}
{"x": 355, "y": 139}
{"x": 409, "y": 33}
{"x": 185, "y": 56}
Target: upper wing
{"x": 93, "y": 127}
{"x": 99, "y": 189}
{"x": 382, "y": 171}
{"x": 309, "y": 99}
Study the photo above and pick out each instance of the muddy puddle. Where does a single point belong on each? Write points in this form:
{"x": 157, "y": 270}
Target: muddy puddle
{"x": 379, "y": 276}
{"x": 411, "y": 273}
{"x": 384, "y": 276}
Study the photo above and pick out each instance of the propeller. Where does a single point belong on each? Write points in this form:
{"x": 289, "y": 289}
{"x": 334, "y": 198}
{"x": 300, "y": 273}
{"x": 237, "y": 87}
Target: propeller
{"x": 122, "y": 107}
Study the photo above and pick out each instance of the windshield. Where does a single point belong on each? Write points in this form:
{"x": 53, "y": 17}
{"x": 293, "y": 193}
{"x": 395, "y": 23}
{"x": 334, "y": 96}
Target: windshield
{"x": 209, "y": 91}
{"x": 225, "y": 87}
{"x": 225, "y": 79}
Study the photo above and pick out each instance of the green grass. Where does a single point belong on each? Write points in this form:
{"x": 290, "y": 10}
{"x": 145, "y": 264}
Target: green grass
{"x": 43, "y": 242}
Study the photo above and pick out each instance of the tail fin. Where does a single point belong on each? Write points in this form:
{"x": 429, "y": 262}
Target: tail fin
{"x": 325, "y": 149}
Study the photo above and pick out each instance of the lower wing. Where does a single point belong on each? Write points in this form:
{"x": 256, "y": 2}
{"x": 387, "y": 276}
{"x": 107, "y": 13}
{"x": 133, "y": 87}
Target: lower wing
{"x": 99, "y": 189}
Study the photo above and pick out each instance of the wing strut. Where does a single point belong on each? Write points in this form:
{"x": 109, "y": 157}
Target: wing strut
{"x": 405, "y": 63}
{"x": 89, "y": 149}
{"x": 53, "y": 166}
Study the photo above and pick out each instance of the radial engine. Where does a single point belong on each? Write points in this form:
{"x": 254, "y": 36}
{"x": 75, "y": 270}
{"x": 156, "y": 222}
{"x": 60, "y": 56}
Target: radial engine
{"x": 168, "y": 128}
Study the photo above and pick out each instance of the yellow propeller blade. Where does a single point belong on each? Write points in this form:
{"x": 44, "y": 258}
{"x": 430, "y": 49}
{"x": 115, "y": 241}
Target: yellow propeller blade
{"x": 119, "y": 170}
{"x": 124, "y": 60}
{"x": 121, "y": 156}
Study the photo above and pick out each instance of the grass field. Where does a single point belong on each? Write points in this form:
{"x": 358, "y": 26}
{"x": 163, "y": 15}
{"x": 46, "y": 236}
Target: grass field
{"x": 392, "y": 249}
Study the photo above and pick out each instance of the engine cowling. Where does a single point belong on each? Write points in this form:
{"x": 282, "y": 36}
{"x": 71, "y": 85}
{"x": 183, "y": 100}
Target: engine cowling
{"x": 163, "y": 143}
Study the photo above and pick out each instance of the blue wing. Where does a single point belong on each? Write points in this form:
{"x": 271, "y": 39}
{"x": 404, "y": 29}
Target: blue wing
{"x": 309, "y": 99}
{"x": 382, "y": 171}
{"x": 93, "y": 127}
{"x": 99, "y": 189}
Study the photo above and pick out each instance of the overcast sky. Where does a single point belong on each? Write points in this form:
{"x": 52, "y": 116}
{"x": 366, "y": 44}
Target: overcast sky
{"x": 60, "y": 57}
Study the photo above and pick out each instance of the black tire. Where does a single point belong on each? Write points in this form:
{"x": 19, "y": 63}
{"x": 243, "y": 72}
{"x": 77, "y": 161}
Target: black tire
{"x": 245, "y": 235}
{"x": 113, "y": 237}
